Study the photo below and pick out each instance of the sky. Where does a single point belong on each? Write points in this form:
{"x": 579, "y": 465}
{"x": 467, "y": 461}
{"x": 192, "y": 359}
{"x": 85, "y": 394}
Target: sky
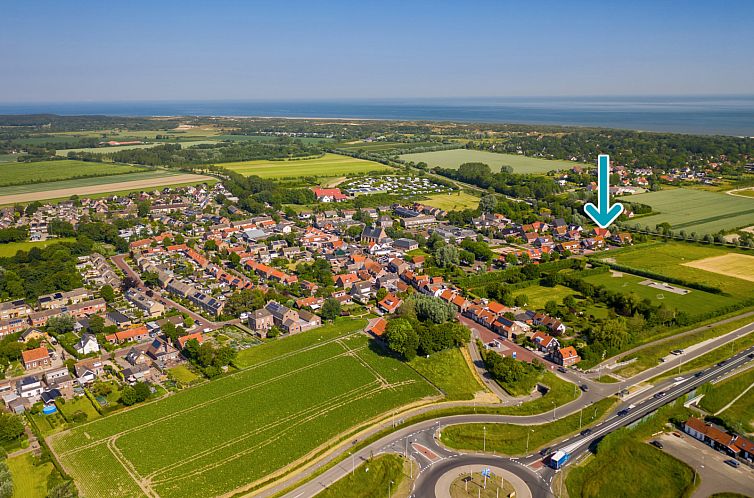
{"x": 81, "y": 51}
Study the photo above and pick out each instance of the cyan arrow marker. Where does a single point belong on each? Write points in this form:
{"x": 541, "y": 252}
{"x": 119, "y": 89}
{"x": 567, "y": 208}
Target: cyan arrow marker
{"x": 605, "y": 214}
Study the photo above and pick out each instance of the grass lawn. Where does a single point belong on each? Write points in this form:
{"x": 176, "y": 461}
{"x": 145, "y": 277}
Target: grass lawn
{"x": 630, "y": 467}
{"x": 29, "y": 480}
{"x": 182, "y": 374}
{"x": 384, "y": 146}
{"x": 670, "y": 258}
{"x": 452, "y": 201}
{"x": 46, "y": 171}
{"x": 694, "y": 302}
{"x": 328, "y": 165}
{"x": 11, "y": 248}
{"x": 448, "y": 371}
{"x": 452, "y": 159}
{"x": 696, "y": 210}
{"x": 538, "y": 295}
{"x": 370, "y": 480}
{"x": 650, "y": 356}
{"x": 80, "y": 404}
{"x": 510, "y": 439}
{"x": 294, "y": 397}
{"x": 607, "y": 379}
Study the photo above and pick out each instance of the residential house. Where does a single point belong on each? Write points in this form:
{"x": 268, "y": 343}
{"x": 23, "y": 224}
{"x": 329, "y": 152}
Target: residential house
{"x": 87, "y": 345}
{"x": 29, "y": 388}
{"x": 376, "y": 326}
{"x": 261, "y": 321}
{"x": 390, "y": 303}
{"x": 36, "y": 358}
{"x": 566, "y": 356}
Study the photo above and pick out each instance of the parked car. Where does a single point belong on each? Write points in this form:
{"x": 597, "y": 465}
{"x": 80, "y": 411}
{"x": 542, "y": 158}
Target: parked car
{"x": 656, "y": 444}
{"x": 733, "y": 463}
{"x": 562, "y": 369}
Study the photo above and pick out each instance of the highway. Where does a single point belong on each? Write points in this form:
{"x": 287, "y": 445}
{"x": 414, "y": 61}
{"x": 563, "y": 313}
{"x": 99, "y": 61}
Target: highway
{"x": 422, "y": 441}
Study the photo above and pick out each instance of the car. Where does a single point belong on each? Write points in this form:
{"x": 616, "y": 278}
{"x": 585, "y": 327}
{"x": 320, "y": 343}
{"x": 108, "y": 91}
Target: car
{"x": 562, "y": 370}
{"x": 698, "y": 374}
{"x": 662, "y": 360}
{"x": 584, "y": 387}
{"x": 586, "y": 432}
{"x": 722, "y": 363}
{"x": 544, "y": 451}
{"x": 656, "y": 444}
{"x": 677, "y": 434}
{"x": 623, "y": 413}
{"x": 677, "y": 352}
{"x": 733, "y": 463}
{"x": 659, "y": 395}
{"x": 750, "y": 355}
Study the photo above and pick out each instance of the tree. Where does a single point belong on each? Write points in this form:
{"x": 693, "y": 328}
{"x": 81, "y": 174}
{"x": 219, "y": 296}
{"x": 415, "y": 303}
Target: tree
{"x": 96, "y": 324}
{"x": 60, "y": 324}
{"x": 447, "y": 256}
{"x": 331, "y": 309}
{"x": 551, "y": 307}
{"x": 402, "y": 338}
{"x": 11, "y": 427}
{"x": 128, "y": 396}
{"x": 381, "y": 293}
{"x": 107, "y": 293}
{"x": 433, "y": 309}
{"x": 142, "y": 208}
{"x": 521, "y": 300}
{"x": 6, "y": 481}
{"x": 488, "y": 203}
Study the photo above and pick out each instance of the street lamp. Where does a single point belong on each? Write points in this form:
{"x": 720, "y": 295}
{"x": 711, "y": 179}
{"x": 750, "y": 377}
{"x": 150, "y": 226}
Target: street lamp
{"x": 390, "y": 489}
{"x": 484, "y": 444}
{"x": 527, "y": 440}
{"x": 553, "y": 409}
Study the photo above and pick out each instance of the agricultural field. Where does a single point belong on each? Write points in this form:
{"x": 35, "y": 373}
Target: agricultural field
{"x": 291, "y": 399}
{"x": 326, "y": 166}
{"x": 47, "y": 171}
{"x": 127, "y": 182}
{"x": 732, "y": 264}
{"x": 118, "y": 148}
{"x": 452, "y": 201}
{"x": 696, "y": 211}
{"x": 694, "y": 302}
{"x": 269, "y": 138}
{"x": 538, "y": 295}
{"x": 672, "y": 259}
{"x": 452, "y": 159}
{"x": 384, "y": 146}
{"x": 11, "y": 248}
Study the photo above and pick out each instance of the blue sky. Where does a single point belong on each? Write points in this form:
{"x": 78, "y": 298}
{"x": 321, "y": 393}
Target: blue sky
{"x": 234, "y": 50}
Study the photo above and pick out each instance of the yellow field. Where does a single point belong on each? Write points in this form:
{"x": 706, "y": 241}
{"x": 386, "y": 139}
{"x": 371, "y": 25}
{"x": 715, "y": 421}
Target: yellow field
{"x": 732, "y": 265}
{"x": 453, "y": 201}
{"x": 327, "y": 165}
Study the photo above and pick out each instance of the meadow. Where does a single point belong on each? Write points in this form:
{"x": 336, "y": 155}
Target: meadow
{"x": 47, "y": 171}
{"x": 384, "y": 146}
{"x": 671, "y": 259}
{"x": 11, "y": 248}
{"x": 370, "y": 479}
{"x": 325, "y": 166}
{"x": 29, "y": 480}
{"x": 290, "y": 399}
{"x": 696, "y": 210}
{"x": 740, "y": 414}
{"x": 537, "y": 295}
{"x": 449, "y": 371}
{"x": 453, "y": 201}
{"x": 452, "y": 159}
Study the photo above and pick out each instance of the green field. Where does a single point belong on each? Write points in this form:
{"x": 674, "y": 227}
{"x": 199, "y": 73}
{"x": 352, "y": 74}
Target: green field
{"x": 327, "y": 165}
{"x": 453, "y": 201}
{"x": 370, "y": 479}
{"x": 118, "y": 148}
{"x": 29, "y": 480}
{"x": 538, "y": 295}
{"x": 510, "y": 439}
{"x": 47, "y": 171}
{"x": 269, "y": 138}
{"x": 448, "y": 371}
{"x": 384, "y": 146}
{"x": 739, "y": 415}
{"x": 668, "y": 258}
{"x": 452, "y": 159}
{"x": 643, "y": 471}
{"x": 11, "y": 248}
{"x": 696, "y": 210}
{"x": 693, "y": 303}
{"x": 292, "y": 398}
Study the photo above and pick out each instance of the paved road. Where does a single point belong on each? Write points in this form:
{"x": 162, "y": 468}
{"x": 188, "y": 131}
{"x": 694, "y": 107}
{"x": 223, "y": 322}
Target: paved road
{"x": 619, "y": 357}
{"x": 716, "y": 475}
{"x": 410, "y": 440}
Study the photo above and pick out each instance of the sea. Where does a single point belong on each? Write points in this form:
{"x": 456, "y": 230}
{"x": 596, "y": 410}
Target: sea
{"x": 707, "y": 115}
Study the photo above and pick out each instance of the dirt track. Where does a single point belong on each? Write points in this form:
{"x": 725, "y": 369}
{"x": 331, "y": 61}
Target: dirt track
{"x": 98, "y": 189}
